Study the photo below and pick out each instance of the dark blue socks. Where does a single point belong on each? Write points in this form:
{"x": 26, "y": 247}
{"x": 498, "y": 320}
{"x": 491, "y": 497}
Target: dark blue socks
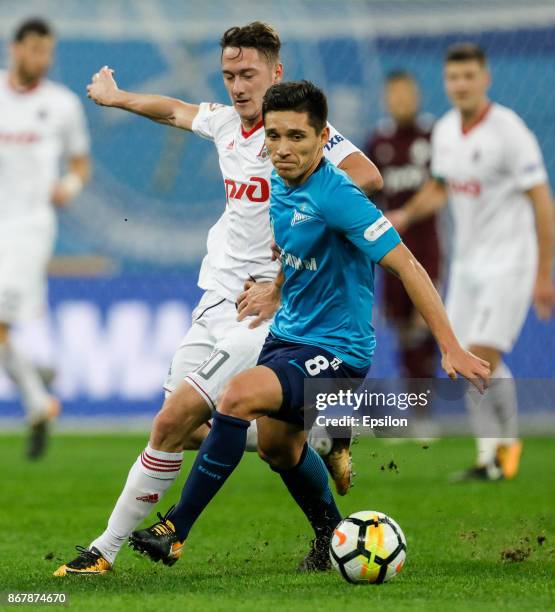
{"x": 308, "y": 484}
{"x": 217, "y": 457}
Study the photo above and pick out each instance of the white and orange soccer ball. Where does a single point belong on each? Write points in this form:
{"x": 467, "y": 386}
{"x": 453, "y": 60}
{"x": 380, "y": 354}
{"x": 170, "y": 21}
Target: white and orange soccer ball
{"x": 368, "y": 547}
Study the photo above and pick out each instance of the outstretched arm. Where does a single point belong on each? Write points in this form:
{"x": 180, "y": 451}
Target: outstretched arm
{"x": 454, "y": 359}
{"x": 170, "y": 111}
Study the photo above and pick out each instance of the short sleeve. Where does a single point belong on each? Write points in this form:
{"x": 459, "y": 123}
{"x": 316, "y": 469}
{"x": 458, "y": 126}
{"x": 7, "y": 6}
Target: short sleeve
{"x": 75, "y": 133}
{"x": 338, "y": 147}
{"x": 437, "y": 169}
{"x": 350, "y": 212}
{"x": 209, "y": 118}
{"x": 523, "y": 156}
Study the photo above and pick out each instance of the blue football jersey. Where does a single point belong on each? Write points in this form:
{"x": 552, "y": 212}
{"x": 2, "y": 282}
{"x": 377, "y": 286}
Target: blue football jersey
{"x": 330, "y": 235}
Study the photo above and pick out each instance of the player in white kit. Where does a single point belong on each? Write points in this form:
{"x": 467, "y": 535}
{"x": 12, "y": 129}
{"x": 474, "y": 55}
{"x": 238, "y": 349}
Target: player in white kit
{"x": 238, "y": 274}
{"x": 41, "y": 125}
{"x": 489, "y": 166}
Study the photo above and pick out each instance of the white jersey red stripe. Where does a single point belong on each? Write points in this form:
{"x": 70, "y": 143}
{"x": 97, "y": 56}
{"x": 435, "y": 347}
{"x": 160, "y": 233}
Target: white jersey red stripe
{"x": 487, "y": 169}
{"x": 37, "y": 128}
{"x": 239, "y": 243}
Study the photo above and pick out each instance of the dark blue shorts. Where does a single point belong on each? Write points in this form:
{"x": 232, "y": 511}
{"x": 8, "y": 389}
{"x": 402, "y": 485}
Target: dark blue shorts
{"x": 294, "y": 363}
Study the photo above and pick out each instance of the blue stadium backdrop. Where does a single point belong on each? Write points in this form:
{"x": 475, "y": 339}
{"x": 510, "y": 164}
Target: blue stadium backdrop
{"x": 156, "y": 191}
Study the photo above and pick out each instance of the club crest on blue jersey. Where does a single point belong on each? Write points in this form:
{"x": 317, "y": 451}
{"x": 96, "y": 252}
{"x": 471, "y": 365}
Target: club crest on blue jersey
{"x": 299, "y": 217}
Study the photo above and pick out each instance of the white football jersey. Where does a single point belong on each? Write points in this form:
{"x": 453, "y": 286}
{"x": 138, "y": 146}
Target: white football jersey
{"x": 487, "y": 170}
{"x": 37, "y": 128}
{"x": 239, "y": 243}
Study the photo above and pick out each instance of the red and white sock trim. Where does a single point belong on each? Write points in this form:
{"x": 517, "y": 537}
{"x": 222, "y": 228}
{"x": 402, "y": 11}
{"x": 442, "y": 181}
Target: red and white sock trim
{"x": 159, "y": 464}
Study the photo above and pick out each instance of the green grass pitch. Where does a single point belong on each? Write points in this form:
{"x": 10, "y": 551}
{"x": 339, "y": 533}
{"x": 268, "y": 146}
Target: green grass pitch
{"x": 243, "y": 551}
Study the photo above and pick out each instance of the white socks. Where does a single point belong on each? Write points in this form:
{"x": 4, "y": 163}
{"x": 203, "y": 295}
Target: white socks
{"x": 34, "y": 395}
{"x": 149, "y": 478}
{"x": 493, "y": 416}
{"x": 504, "y": 399}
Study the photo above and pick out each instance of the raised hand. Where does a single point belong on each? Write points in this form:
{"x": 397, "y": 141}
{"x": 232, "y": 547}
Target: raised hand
{"x": 103, "y": 87}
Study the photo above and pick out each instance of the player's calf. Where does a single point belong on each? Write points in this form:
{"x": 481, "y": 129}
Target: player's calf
{"x": 177, "y": 423}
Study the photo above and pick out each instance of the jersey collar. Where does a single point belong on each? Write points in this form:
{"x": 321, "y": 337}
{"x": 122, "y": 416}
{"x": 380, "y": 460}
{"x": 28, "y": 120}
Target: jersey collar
{"x": 254, "y": 129}
{"x": 476, "y": 121}
{"x": 21, "y": 92}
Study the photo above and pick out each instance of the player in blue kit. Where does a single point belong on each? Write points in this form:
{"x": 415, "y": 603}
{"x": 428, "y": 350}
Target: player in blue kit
{"x": 329, "y": 236}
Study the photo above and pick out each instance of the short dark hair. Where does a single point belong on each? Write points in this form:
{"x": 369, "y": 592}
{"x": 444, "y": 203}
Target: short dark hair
{"x": 301, "y": 97}
{"x": 36, "y": 25}
{"x": 399, "y": 75}
{"x": 256, "y": 35}
{"x": 464, "y": 52}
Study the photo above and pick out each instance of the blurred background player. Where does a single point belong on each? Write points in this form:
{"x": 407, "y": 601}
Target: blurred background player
{"x": 41, "y": 125}
{"x": 400, "y": 147}
{"x": 488, "y": 164}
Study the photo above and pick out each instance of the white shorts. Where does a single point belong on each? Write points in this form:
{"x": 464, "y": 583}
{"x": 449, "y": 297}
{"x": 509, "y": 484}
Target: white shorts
{"x": 490, "y": 309}
{"x": 216, "y": 348}
{"x": 23, "y": 274}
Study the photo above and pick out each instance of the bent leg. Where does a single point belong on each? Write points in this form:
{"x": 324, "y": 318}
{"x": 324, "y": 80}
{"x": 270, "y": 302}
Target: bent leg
{"x": 250, "y": 394}
{"x": 155, "y": 469}
{"x": 283, "y": 446}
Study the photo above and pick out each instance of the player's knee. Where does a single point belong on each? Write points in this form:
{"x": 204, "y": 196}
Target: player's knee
{"x": 164, "y": 425}
{"x": 174, "y": 421}
{"x": 233, "y": 400}
{"x": 278, "y": 457}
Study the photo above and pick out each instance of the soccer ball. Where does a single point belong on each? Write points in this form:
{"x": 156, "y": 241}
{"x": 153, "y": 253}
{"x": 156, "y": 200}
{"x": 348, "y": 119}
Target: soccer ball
{"x": 368, "y": 547}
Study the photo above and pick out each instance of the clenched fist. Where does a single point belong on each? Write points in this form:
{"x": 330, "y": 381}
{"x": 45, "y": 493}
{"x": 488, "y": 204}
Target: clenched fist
{"x": 103, "y": 88}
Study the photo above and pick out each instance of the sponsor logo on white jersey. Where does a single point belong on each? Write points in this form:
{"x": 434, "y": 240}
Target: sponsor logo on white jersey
{"x": 256, "y": 190}
{"x": 377, "y": 229}
{"x": 471, "y": 187}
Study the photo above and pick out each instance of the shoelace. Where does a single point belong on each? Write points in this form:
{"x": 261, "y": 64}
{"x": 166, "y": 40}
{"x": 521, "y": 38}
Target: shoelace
{"x": 161, "y": 528}
{"x": 86, "y": 556}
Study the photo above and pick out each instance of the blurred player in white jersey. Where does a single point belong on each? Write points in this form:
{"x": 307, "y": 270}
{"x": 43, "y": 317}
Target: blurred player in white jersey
{"x": 489, "y": 165}
{"x": 42, "y": 126}
{"x": 238, "y": 274}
